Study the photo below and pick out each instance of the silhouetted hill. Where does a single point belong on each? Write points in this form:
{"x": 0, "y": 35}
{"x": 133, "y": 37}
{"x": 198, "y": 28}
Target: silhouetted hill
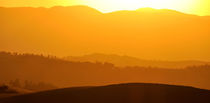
{"x": 124, "y": 61}
{"x": 62, "y": 73}
{"x": 122, "y": 93}
{"x": 161, "y": 11}
{"x": 76, "y": 10}
{"x": 150, "y": 12}
{"x": 145, "y": 33}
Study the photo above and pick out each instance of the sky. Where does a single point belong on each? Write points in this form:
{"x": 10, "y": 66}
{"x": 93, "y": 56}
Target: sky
{"x": 198, "y": 7}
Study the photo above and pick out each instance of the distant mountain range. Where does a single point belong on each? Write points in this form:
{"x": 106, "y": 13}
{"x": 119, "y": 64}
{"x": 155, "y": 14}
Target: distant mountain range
{"x": 123, "y": 61}
{"x": 145, "y": 33}
{"x": 120, "y": 93}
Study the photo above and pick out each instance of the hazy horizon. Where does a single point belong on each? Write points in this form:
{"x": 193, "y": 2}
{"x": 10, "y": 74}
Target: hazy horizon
{"x": 146, "y": 29}
{"x": 102, "y": 11}
{"x": 104, "y": 51}
{"x": 188, "y": 6}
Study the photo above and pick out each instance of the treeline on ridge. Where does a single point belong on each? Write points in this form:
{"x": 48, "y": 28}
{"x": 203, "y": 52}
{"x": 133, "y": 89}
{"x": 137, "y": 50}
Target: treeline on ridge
{"x": 64, "y": 73}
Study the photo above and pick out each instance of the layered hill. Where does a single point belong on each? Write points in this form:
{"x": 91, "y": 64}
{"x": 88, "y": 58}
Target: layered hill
{"x": 123, "y": 61}
{"x": 145, "y": 33}
{"x": 122, "y": 93}
{"x": 62, "y": 73}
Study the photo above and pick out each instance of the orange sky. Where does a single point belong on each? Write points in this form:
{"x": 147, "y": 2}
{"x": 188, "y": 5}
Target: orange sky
{"x": 198, "y": 7}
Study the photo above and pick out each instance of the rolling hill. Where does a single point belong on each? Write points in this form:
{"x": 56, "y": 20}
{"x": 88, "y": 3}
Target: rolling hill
{"x": 62, "y": 73}
{"x": 120, "y": 93}
{"x": 123, "y": 61}
{"x": 145, "y": 33}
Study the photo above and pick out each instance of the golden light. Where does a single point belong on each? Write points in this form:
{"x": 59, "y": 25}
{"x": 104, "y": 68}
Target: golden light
{"x": 113, "y": 5}
{"x": 198, "y": 7}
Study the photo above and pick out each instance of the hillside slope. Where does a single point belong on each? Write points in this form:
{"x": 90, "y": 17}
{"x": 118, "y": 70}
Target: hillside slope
{"x": 7, "y": 91}
{"x": 122, "y": 93}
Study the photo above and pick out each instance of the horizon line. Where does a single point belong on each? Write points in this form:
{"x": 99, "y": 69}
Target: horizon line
{"x": 102, "y": 11}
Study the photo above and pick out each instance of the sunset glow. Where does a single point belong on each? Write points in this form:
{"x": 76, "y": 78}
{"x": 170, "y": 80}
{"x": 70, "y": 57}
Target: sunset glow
{"x": 112, "y": 5}
{"x": 198, "y": 7}
{"x": 104, "y": 51}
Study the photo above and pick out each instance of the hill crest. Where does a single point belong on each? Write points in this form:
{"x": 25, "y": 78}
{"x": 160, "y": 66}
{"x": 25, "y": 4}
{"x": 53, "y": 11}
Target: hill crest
{"x": 120, "y": 93}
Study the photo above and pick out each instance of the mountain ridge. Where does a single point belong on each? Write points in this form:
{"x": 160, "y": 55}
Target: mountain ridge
{"x": 123, "y": 61}
{"x": 145, "y": 9}
{"x": 87, "y": 31}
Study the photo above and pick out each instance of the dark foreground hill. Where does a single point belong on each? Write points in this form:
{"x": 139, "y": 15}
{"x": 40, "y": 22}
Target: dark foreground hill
{"x": 122, "y": 93}
{"x": 7, "y": 91}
